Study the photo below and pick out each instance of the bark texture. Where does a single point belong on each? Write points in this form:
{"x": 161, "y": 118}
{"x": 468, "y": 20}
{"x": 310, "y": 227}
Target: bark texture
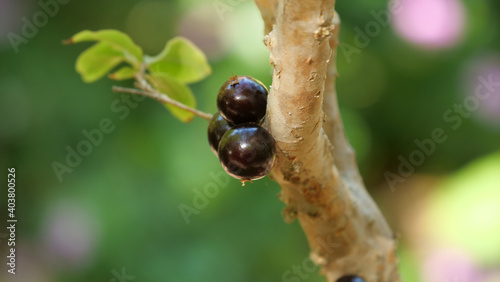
{"x": 316, "y": 167}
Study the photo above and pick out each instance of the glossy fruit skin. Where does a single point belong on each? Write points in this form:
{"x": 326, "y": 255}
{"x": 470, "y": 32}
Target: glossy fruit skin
{"x": 350, "y": 278}
{"x": 242, "y": 99}
{"x": 216, "y": 129}
{"x": 247, "y": 152}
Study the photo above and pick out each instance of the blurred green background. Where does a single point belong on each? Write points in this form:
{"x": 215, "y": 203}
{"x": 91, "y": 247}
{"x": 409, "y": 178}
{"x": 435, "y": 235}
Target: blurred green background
{"x": 116, "y": 214}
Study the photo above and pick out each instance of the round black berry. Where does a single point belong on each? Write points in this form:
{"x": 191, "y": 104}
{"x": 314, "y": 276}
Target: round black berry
{"x": 350, "y": 278}
{"x": 216, "y": 129}
{"x": 242, "y": 99}
{"x": 247, "y": 152}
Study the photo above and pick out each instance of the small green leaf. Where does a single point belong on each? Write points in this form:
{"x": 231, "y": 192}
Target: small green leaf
{"x": 97, "y": 61}
{"x": 116, "y": 39}
{"x": 123, "y": 73}
{"x": 175, "y": 90}
{"x": 182, "y": 60}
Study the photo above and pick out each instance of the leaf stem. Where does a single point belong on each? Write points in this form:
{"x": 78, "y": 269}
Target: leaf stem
{"x": 161, "y": 97}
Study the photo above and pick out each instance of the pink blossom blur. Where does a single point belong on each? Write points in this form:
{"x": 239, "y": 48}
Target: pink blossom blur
{"x": 430, "y": 24}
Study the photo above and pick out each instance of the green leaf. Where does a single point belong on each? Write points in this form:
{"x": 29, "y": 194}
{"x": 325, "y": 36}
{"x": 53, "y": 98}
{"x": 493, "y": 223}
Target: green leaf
{"x": 123, "y": 73}
{"x": 175, "y": 90}
{"x": 116, "y": 39}
{"x": 97, "y": 61}
{"x": 182, "y": 60}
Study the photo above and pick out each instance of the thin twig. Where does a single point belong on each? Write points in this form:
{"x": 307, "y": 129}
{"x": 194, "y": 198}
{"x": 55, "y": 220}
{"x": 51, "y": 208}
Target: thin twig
{"x": 162, "y": 98}
{"x": 148, "y": 90}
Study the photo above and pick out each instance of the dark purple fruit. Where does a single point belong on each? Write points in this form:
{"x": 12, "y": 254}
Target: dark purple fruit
{"x": 247, "y": 152}
{"x": 350, "y": 278}
{"x": 216, "y": 129}
{"x": 242, "y": 99}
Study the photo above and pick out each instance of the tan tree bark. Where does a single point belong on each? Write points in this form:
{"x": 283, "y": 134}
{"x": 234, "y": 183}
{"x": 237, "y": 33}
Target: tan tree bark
{"x": 316, "y": 167}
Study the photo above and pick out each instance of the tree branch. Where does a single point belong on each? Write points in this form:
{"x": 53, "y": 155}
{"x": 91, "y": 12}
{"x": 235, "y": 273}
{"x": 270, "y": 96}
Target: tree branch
{"x": 316, "y": 166}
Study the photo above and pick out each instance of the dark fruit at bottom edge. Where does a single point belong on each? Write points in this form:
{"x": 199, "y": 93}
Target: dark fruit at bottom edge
{"x": 216, "y": 129}
{"x": 350, "y": 278}
{"x": 242, "y": 99}
{"x": 247, "y": 152}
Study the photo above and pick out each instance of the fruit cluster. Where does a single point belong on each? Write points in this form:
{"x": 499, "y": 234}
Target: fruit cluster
{"x": 245, "y": 149}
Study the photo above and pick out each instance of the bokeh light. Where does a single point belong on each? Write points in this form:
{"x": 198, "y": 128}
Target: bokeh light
{"x": 10, "y": 19}
{"x": 450, "y": 265}
{"x": 465, "y": 211}
{"x": 483, "y": 79}
{"x": 70, "y": 235}
{"x": 430, "y": 23}
{"x": 33, "y": 268}
{"x": 204, "y": 30}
